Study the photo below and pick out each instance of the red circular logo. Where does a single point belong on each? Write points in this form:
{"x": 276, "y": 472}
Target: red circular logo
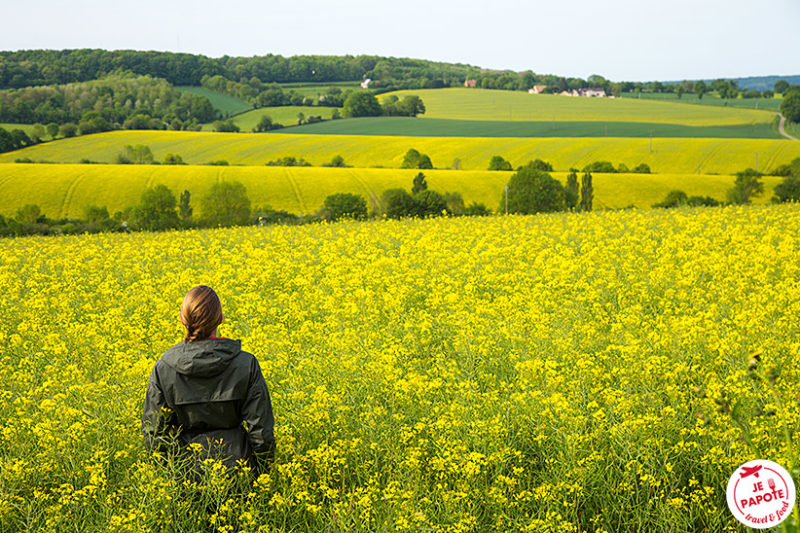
{"x": 761, "y": 494}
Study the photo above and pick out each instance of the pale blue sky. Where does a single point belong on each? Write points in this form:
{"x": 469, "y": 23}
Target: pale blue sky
{"x": 619, "y": 39}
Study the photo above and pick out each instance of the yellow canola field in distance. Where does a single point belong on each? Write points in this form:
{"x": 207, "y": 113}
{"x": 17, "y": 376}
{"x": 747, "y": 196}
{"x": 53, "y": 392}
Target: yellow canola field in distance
{"x": 489, "y": 104}
{"x": 66, "y": 190}
{"x": 566, "y": 372}
{"x": 670, "y": 155}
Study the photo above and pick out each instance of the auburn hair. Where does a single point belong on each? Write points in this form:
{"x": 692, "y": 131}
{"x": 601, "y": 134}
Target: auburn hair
{"x": 201, "y": 313}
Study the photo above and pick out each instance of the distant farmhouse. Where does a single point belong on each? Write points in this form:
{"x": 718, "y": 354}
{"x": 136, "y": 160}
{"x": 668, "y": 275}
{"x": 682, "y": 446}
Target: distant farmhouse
{"x": 537, "y": 89}
{"x": 597, "y": 93}
{"x": 365, "y": 83}
{"x": 470, "y": 83}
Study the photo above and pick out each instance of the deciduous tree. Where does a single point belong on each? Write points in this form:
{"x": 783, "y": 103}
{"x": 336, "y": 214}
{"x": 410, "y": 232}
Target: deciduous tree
{"x": 226, "y": 204}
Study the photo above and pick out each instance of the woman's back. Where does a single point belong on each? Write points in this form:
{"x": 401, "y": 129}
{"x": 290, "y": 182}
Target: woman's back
{"x": 206, "y": 391}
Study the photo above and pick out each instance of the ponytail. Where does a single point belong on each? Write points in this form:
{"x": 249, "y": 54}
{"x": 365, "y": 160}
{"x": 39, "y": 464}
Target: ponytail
{"x": 201, "y": 313}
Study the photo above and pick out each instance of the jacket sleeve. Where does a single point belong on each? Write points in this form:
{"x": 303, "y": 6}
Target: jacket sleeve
{"x": 156, "y": 414}
{"x": 257, "y": 415}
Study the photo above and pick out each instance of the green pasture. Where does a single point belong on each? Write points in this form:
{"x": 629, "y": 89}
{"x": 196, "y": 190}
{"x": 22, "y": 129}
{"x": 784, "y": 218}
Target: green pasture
{"x": 286, "y": 115}
{"x": 441, "y": 127}
{"x": 224, "y": 103}
{"x": 664, "y": 155}
{"x": 484, "y": 104}
{"x": 66, "y": 190}
{"x": 761, "y": 104}
{"x": 318, "y": 89}
{"x": 27, "y": 128}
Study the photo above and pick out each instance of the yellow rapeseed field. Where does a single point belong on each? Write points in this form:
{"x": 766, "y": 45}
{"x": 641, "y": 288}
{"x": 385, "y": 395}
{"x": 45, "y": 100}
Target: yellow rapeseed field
{"x": 598, "y": 372}
{"x": 66, "y": 190}
{"x": 669, "y": 155}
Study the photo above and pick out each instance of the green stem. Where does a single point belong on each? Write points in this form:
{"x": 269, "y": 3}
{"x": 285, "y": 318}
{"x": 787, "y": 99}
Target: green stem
{"x": 789, "y": 447}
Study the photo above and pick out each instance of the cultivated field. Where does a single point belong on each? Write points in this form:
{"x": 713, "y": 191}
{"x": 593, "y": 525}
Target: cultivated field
{"x": 286, "y": 115}
{"x": 678, "y": 156}
{"x": 483, "y": 104}
{"x": 66, "y": 190}
{"x": 226, "y": 104}
{"x": 769, "y": 104}
{"x": 435, "y": 127}
{"x": 549, "y": 373}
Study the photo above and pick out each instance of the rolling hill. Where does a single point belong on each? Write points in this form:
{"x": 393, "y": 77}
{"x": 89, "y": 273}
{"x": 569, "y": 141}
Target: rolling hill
{"x": 66, "y": 190}
{"x": 679, "y": 156}
{"x": 484, "y": 104}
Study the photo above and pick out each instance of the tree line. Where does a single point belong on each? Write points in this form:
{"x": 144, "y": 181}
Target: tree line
{"x": 115, "y": 98}
{"x": 28, "y": 68}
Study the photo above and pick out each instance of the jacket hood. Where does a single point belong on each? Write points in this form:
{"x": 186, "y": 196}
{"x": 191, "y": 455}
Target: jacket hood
{"x": 205, "y": 358}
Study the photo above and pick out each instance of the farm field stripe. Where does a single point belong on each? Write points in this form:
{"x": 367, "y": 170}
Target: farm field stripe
{"x": 302, "y": 190}
{"x": 69, "y": 193}
{"x": 290, "y": 178}
{"x": 671, "y": 155}
{"x": 436, "y": 127}
{"x": 371, "y": 195}
{"x": 488, "y": 104}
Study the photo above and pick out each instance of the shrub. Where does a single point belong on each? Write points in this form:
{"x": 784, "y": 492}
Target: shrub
{"x": 455, "y": 202}
{"x": 572, "y": 190}
{"x": 430, "y": 203}
{"x": 787, "y": 190}
{"x": 68, "y": 129}
{"x": 398, "y": 203}
{"x": 420, "y": 184}
{"x": 337, "y": 161}
{"x": 538, "y": 164}
{"x": 477, "y": 210}
{"x": 697, "y": 201}
{"x": 345, "y": 205}
{"x": 533, "y": 191}
{"x": 226, "y": 204}
{"x": 93, "y": 213}
{"x": 747, "y": 185}
{"x": 139, "y": 154}
{"x": 499, "y": 163}
{"x": 642, "y": 168}
{"x": 414, "y": 159}
{"x": 791, "y": 169}
{"x": 673, "y": 199}
{"x": 288, "y": 161}
{"x": 361, "y": 104}
{"x": 227, "y": 126}
{"x": 28, "y": 214}
{"x": 156, "y": 210}
{"x": 600, "y": 166}
{"x": 173, "y": 159}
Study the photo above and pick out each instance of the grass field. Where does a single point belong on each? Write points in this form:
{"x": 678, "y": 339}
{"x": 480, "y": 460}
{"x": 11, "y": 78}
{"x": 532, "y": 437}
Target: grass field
{"x": 552, "y": 373}
{"x": 440, "y": 127}
{"x": 768, "y": 104}
{"x": 286, "y": 115}
{"x": 483, "y": 104}
{"x": 318, "y": 89}
{"x": 27, "y": 128}
{"x": 793, "y": 128}
{"x": 224, "y": 103}
{"x": 677, "y": 156}
{"x": 65, "y": 190}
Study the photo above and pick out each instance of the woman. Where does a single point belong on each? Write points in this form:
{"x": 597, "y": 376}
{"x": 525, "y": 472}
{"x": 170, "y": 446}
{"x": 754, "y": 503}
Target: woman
{"x": 206, "y": 390}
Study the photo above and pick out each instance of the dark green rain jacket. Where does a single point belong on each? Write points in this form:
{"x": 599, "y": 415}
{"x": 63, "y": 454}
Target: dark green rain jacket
{"x": 212, "y": 393}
